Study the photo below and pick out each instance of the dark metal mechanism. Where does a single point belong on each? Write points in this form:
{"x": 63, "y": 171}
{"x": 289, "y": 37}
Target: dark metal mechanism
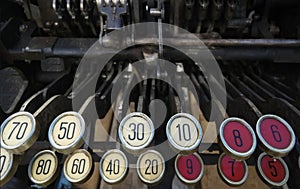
{"x": 255, "y": 42}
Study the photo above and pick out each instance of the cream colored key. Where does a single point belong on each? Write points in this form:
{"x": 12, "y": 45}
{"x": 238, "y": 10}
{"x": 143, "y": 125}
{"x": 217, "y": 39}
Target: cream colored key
{"x": 19, "y": 132}
{"x": 150, "y": 166}
{"x": 136, "y": 131}
{"x": 7, "y": 166}
{"x": 42, "y": 169}
{"x": 184, "y": 132}
{"x": 113, "y": 166}
{"x": 78, "y": 166}
{"x": 66, "y": 132}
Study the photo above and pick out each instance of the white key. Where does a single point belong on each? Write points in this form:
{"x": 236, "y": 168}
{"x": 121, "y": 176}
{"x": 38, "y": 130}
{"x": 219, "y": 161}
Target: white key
{"x": 42, "y": 169}
{"x": 66, "y": 132}
{"x": 136, "y": 131}
{"x": 184, "y": 132}
{"x": 113, "y": 166}
{"x": 19, "y": 132}
{"x": 7, "y": 166}
{"x": 150, "y": 167}
{"x": 78, "y": 166}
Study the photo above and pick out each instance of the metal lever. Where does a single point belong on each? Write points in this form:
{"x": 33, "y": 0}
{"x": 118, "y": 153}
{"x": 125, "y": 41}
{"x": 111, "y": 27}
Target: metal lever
{"x": 84, "y": 7}
{"x": 113, "y": 9}
{"x": 70, "y": 8}
{"x": 56, "y": 7}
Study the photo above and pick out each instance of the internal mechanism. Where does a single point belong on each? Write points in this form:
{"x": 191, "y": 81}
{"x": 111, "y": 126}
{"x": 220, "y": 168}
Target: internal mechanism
{"x": 229, "y": 18}
{"x": 76, "y": 112}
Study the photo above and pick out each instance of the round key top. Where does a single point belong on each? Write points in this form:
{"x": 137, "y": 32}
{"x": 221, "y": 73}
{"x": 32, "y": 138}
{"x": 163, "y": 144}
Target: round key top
{"x": 19, "y": 132}
{"x": 238, "y": 138}
{"x": 43, "y": 167}
{"x": 113, "y": 166}
{"x": 150, "y": 167}
{"x": 232, "y": 171}
{"x": 184, "y": 132}
{"x": 189, "y": 168}
{"x": 136, "y": 131}
{"x": 273, "y": 170}
{"x": 66, "y": 132}
{"x": 78, "y": 166}
{"x": 7, "y": 166}
{"x": 276, "y": 135}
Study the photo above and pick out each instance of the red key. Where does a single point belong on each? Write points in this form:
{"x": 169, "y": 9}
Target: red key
{"x": 273, "y": 170}
{"x": 276, "y": 135}
{"x": 238, "y": 138}
{"x": 189, "y": 168}
{"x": 232, "y": 171}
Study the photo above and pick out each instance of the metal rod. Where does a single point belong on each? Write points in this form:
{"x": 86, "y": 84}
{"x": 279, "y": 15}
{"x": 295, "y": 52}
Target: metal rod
{"x": 225, "y": 49}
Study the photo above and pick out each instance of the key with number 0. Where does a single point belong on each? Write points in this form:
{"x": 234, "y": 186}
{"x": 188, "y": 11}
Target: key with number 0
{"x": 19, "y": 132}
{"x": 184, "y": 132}
{"x": 66, "y": 132}
{"x": 42, "y": 169}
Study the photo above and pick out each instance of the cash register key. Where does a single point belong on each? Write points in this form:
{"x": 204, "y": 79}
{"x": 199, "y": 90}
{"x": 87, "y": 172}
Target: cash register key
{"x": 42, "y": 169}
{"x": 19, "y": 132}
{"x": 189, "y": 168}
{"x": 113, "y": 166}
{"x": 184, "y": 133}
{"x": 7, "y": 166}
{"x": 150, "y": 167}
{"x": 78, "y": 166}
{"x": 276, "y": 135}
{"x": 136, "y": 131}
{"x": 273, "y": 170}
{"x": 66, "y": 132}
{"x": 232, "y": 171}
{"x": 238, "y": 139}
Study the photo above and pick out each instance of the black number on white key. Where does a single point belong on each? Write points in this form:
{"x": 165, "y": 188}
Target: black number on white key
{"x": 276, "y": 133}
{"x": 22, "y": 127}
{"x": 138, "y": 131}
{"x": 113, "y": 167}
{"x": 184, "y": 131}
{"x": 78, "y": 166}
{"x": 68, "y": 131}
{"x": 2, "y": 162}
{"x": 43, "y": 167}
{"x": 237, "y": 138}
{"x": 154, "y": 167}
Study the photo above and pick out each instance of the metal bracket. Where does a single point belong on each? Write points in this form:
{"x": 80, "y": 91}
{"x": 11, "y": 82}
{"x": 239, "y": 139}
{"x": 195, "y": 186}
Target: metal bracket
{"x": 113, "y": 9}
